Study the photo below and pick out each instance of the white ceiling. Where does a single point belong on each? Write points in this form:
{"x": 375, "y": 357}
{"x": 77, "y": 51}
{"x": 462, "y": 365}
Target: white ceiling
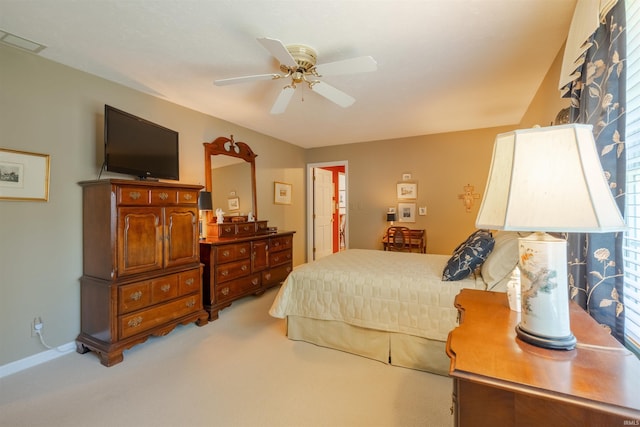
{"x": 443, "y": 65}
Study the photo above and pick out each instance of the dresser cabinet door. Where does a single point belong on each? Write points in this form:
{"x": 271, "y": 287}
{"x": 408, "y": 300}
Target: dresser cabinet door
{"x": 259, "y": 255}
{"x": 181, "y": 239}
{"x": 140, "y": 240}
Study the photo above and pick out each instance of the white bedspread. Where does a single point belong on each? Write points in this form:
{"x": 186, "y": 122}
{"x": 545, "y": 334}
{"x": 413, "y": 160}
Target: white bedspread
{"x": 390, "y": 291}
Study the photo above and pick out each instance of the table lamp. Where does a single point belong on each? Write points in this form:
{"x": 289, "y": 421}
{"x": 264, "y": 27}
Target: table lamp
{"x": 547, "y": 179}
{"x": 204, "y": 204}
{"x": 391, "y": 217}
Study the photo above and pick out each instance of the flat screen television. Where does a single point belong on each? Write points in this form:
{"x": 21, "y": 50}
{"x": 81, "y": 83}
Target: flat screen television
{"x": 138, "y": 147}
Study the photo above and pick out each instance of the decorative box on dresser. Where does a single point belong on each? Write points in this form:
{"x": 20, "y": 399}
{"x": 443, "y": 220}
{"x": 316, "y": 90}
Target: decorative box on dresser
{"x": 141, "y": 265}
{"x": 239, "y": 262}
{"x": 500, "y": 380}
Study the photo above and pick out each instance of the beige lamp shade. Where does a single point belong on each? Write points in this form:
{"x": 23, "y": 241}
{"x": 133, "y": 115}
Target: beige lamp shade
{"x": 548, "y": 179}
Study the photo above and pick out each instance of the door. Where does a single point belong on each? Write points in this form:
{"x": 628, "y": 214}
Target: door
{"x": 259, "y": 255}
{"x": 139, "y": 240}
{"x": 323, "y": 208}
{"x": 181, "y": 236}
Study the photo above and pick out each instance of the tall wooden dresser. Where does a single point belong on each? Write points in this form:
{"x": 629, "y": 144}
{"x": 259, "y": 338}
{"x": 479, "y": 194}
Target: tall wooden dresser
{"x": 235, "y": 267}
{"x": 141, "y": 264}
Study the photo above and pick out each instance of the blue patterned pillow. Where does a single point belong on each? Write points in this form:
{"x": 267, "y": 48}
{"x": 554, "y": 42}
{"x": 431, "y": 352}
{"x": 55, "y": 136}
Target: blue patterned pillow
{"x": 468, "y": 256}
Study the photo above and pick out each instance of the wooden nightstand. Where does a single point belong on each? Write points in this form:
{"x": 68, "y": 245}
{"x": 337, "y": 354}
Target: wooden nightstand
{"x": 502, "y": 381}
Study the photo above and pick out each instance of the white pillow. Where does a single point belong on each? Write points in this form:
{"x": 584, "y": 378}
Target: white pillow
{"x": 502, "y": 260}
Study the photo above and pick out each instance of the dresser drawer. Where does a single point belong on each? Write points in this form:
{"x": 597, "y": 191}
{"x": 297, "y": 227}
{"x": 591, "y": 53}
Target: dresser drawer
{"x": 189, "y": 282}
{"x": 280, "y": 243}
{"x": 164, "y": 196}
{"x": 143, "y": 320}
{"x": 164, "y": 288}
{"x": 133, "y": 195}
{"x": 233, "y": 252}
{"x": 225, "y": 230}
{"x": 246, "y": 228}
{"x": 274, "y": 276}
{"x": 236, "y": 288}
{"x": 279, "y": 258}
{"x": 188, "y": 197}
{"x": 134, "y": 296}
{"x": 232, "y": 270}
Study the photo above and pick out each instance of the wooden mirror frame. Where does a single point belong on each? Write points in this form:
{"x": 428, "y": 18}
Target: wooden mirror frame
{"x": 229, "y": 147}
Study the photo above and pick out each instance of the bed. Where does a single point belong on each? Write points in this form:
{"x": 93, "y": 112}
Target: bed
{"x": 393, "y": 307}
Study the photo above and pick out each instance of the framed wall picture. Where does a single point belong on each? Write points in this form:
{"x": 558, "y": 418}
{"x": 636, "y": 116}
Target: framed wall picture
{"x": 234, "y": 203}
{"x": 24, "y": 176}
{"x": 407, "y": 190}
{"x": 282, "y": 193}
{"x": 406, "y": 212}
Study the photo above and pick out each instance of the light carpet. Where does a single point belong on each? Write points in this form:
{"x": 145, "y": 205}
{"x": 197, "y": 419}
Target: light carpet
{"x": 239, "y": 370}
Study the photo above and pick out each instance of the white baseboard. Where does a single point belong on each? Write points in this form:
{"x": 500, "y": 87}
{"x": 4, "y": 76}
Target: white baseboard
{"x": 36, "y": 359}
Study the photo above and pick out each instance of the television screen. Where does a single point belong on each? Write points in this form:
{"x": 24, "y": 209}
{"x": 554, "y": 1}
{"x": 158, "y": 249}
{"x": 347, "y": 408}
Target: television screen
{"x": 138, "y": 147}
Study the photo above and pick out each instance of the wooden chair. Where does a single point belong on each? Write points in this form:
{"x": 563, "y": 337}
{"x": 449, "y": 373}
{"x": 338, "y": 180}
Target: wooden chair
{"x": 398, "y": 239}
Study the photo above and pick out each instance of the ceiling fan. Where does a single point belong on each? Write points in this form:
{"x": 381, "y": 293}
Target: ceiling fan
{"x": 298, "y": 62}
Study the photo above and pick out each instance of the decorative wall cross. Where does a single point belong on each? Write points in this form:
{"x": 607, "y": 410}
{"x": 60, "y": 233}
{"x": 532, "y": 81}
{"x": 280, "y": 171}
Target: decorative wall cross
{"x": 468, "y": 197}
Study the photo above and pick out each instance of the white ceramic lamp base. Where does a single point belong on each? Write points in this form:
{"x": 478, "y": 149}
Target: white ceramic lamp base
{"x": 544, "y": 293}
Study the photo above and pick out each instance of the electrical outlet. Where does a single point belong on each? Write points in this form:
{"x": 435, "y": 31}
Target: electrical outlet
{"x": 36, "y": 326}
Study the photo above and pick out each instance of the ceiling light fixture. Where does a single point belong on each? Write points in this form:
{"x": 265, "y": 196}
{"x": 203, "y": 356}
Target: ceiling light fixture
{"x": 20, "y": 42}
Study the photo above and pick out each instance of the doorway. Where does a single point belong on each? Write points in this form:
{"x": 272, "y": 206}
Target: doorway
{"x": 327, "y": 201}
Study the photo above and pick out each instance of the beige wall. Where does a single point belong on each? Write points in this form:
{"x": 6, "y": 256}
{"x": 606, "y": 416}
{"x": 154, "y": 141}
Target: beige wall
{"x": 440, "y": 164}
{"x": 48, "y": 108}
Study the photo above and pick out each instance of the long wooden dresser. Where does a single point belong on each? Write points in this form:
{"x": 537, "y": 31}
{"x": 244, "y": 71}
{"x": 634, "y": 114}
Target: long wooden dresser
{"x": 141, "y": 264}
{"x": 235, "y": 267}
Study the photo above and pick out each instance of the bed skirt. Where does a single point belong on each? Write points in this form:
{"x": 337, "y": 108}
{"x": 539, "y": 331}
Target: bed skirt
{"x": 393, "y": 348}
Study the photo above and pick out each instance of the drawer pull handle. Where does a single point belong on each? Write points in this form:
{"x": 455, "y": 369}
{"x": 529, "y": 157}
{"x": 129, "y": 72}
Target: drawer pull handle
{"x": 190, "y": 281}
{"x": 255, "y": 281}
{"x": 226, "y": 254}
{"x": 164, "y": 196}
{"x": 288, "y": 269}
{"x": 224, "y": 273}
{"x": 190, "y": 303}
{"x": 276, "y": 244}
{"x": 245, "y": 228}
{"x": 136, "y": 295}
{"x": 225, "y": 291}
{"x": 243, "y": 251}
{"x": 135, "y": 322}
{"x": 268, "y": 276}
{"x": 243, "y": 268}
{"x": 135, "y": 195}
{"x": 188, "y": 196}
{"x": 165, "y": 288}
{"x": 227, "y": 229}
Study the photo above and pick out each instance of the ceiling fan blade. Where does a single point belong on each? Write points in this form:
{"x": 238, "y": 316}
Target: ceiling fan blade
{"x": 246, "y": 79}
{"x": 279, "y": 51}
{"x": 283, "y": 100}
{"x": 333, "y": 94}
{"x": 361, "y": 64}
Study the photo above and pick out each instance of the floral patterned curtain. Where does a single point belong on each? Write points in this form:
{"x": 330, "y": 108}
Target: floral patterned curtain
{"x": 599, "y": 98}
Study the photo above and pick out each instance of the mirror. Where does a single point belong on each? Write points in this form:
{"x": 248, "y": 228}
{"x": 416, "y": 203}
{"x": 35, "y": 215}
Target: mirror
{"x": 230, "y": 176}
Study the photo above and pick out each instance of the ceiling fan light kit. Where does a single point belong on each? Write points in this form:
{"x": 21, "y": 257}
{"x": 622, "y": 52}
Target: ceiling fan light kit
{"x": 298, "y": 62}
